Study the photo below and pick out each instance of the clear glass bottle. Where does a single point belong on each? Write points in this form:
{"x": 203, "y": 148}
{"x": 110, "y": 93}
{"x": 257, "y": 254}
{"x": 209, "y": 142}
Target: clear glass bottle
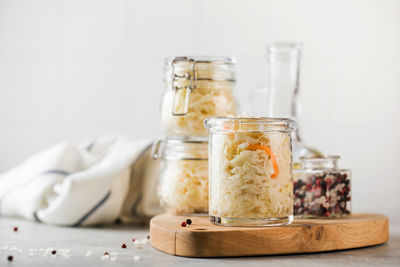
{"x": 321, "y": 189}
{"x": 183, "y": 183}
{"x": 196, "y": 88}
{"x": 279, "y": 98}
{"x": 250, "y": 163}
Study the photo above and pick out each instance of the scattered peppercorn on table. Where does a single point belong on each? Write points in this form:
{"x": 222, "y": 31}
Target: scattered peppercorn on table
{"x": 33, "y": 243}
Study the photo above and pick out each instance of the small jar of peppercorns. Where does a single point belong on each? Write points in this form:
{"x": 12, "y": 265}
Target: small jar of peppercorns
{"x": 321, "y": 189}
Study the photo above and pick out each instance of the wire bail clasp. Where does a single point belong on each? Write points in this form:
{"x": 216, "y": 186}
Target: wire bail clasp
{"x": 186, "y": 82}
{"x": 156, "y": 149}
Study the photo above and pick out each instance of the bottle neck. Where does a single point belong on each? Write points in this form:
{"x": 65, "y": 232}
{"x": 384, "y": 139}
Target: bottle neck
{"x": 283, "y": 80}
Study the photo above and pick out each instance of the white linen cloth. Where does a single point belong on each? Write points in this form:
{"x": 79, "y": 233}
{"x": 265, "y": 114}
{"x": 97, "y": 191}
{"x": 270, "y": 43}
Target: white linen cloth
{"x": 84, "y": 184}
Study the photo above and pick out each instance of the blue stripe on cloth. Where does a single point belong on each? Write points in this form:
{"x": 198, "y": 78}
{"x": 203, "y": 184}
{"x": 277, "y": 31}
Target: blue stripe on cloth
{"x": 25, "y": 183}
{"x": 35, "y": 216}
{"x": 92, "y": 210}
{"x": 55, "y": 172}
{"x": 91, "y": 145}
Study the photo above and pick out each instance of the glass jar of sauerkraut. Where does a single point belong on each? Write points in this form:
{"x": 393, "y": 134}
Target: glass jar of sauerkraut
{"x": 321, "y": 189}
{"x": 250, "y": 166}
{"x": 196, "y": 88}
{"x": 183, "y": 184}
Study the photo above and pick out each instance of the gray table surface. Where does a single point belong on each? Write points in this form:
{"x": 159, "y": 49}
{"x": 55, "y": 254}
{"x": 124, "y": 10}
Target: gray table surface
{"x": 31, "y": 244}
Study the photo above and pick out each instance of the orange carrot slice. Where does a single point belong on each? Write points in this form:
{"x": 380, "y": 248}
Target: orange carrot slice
{"x": 271, "y": 155}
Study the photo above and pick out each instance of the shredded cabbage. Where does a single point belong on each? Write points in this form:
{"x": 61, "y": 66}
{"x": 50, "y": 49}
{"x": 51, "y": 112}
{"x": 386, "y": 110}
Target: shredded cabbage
{"x": 184, "y": 186}
{"x": 206, "y": 100}
{"x": 240, "y": 180}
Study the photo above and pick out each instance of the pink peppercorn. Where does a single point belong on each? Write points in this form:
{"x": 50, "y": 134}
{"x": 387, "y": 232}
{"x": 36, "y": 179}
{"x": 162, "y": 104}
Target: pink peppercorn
{"x": 183, "y": 224}
{"x": 123, "y": 245}
{"x": 313, "y": 188}
{"x": 308, "y": 187}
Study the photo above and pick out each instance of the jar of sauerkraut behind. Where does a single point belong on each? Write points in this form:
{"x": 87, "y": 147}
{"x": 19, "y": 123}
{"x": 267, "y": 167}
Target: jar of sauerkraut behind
{"x": 250, "y": 162}
{"x": 196, "y": 88}
{"x": 183, "y": 182}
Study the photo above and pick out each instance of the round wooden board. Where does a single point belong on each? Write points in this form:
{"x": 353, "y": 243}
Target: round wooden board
{"x": 203, "y": 239}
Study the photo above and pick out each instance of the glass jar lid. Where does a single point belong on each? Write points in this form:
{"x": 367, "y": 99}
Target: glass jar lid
{"x": 175, "y": 149}
{"x": 184, "y": 74}
{"x": 203, "y": 59}
{"x": 208, "y": 68}
{"x": 257, "y": 124}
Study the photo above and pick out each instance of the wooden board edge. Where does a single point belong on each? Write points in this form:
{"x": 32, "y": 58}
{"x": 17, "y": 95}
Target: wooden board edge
{"x": 162, "y": 239}
{"x": 381, "y": 236}
{"x": 170, "y": 241}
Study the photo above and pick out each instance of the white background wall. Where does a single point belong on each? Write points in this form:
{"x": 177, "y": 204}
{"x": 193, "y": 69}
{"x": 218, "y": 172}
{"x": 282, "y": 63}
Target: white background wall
{"x": 70, "y": 70}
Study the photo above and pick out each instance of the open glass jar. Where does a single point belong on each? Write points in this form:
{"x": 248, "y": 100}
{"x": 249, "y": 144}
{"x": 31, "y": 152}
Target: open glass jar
{"x": 196, "y": 88}
{"x": 250, "y": 162}
{"x": 183, "y": 184}
{"x": 321, "y": 189}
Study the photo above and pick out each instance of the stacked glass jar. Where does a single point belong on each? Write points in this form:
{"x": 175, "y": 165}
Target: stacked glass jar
{"x": 196, "y": 88}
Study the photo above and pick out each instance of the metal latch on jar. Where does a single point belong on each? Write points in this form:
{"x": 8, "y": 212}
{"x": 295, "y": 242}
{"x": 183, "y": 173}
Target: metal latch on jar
{"x": 183, "y": 90}
{"x": 156, "y": 149}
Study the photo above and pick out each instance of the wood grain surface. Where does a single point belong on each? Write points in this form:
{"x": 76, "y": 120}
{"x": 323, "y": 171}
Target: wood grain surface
{"x": 203, "y": 239}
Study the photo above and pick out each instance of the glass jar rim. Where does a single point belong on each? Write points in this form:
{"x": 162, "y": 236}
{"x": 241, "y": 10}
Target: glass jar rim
{"x": 321, "y": 158}
{"x": 226, "y": 124}
{"x": 322, "y": 162}
{"x": 203, "y": 59}
{"x": 175, "y": 149}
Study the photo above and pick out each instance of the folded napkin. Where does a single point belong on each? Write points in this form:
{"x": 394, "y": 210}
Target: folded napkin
{"x": 92, "y": 183}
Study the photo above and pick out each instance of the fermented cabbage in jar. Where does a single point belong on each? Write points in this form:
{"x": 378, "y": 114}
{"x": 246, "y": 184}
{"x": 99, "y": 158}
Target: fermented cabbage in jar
{"x": 196, "y": 88}
{"x": 250, "y": 172}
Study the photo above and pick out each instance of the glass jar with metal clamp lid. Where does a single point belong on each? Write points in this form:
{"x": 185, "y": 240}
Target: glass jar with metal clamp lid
{"x": 183, "y": 183}
{"x": 196, "y": 88}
